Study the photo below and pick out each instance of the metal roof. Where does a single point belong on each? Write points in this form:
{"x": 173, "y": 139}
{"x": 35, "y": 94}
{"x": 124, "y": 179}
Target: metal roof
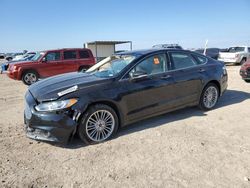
{"x": 108, "y": 42}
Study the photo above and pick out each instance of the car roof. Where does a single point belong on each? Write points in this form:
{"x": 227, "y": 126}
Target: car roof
{"x": 148, "y": 51}
{"x": 59, "y": 49}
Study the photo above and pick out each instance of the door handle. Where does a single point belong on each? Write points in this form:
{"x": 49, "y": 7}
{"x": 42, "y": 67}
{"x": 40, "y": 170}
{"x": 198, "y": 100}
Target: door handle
{"x": 201, "y": 70}
{"x": 165, "y": 77}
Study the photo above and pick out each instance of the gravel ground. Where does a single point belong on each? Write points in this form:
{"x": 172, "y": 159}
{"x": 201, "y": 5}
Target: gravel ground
{"x": 186, "y": 148}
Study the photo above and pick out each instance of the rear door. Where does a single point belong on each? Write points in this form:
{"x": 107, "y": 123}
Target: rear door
{"x": 70, "y": 61}
{"x": 84, "y": 60}
{"x": 188, "y": 75}
{"x": 149, "y": 94}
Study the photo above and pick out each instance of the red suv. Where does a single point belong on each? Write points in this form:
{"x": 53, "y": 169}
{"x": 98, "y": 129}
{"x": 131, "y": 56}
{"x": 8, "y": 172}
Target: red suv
{"x": 52, "y": 62}
{"x": 245, "y": 71}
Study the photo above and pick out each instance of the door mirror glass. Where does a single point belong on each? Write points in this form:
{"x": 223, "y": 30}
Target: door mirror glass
{"x": 137, "y": 74}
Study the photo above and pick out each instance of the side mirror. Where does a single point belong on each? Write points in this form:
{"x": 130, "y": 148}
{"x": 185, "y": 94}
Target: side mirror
{"x": 138, "y": 75}
{"x": 44, "y": 60}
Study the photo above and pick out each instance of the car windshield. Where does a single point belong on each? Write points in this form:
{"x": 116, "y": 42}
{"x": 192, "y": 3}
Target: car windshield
{"x": 111, "y": 65}
{"x": 37, "y": 56}
{"x": 236, "y": 49}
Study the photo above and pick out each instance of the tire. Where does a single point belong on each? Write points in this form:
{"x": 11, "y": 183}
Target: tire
{"x": 82, "y": 69}
{"x": 243, "y": 61}
{"x": 209, "y": 97}
{"x": 247, "y": 81}
{"x": 9, "y": 58}
{"x": 93, "y": 124}
{"x": 29, "y": 77}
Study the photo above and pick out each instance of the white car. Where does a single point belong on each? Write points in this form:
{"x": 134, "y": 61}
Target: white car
{"x": 236, "y": 55}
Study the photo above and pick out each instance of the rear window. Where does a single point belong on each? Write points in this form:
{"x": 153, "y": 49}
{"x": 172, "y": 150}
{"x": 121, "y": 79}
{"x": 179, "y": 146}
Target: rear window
{"x": 69, "y": 54}
{"x": 83, "y": 54}
{"x": 182, "y": 60}
{"x": 236, "y": 49}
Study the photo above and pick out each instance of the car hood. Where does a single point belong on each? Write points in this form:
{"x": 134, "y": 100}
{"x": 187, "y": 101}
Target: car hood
{"x": 51, "y": 88}
{"x": 20, "y": 62}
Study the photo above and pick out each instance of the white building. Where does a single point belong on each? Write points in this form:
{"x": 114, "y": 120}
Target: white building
{"x": 103, "y": 49}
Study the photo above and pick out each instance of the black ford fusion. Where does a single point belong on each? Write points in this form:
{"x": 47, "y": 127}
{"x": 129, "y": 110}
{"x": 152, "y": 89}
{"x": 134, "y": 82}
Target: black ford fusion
{"x": 120, "y": 90}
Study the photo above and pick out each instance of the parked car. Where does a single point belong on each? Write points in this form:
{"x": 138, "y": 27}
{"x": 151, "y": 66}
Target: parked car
{"x": 170, "y": 46}
{"x": 50, "y": 63}
{"x": 2, "y": 56}
{"x": 120, "y": 90}
{"x": 236, "y": 55}
{"x": 20, "y": 57}
{"x": 245, "y": 71}
{"x": 26, "y": 57}
{"x": 10, "y": 56}
{"x": 210, "y": 52}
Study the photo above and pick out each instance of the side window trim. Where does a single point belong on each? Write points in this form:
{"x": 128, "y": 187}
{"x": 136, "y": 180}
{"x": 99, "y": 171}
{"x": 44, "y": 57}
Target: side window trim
{"x": 195, "y": 57}
{"x": 60, "y": 55}
{"x": 188, "y": 54}
{"x": 70, "y": 51}
{"x": 148, "y": 56}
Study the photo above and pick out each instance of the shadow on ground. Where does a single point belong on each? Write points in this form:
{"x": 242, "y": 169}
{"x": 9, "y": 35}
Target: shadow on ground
{"x": 230, "y": 97}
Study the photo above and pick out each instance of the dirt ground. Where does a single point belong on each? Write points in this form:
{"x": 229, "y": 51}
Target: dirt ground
{"x": 186, "y": 148}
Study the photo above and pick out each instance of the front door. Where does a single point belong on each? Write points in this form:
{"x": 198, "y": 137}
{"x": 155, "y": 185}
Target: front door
{"x": 148, "y": 88}
{"x": 51, "y": 64}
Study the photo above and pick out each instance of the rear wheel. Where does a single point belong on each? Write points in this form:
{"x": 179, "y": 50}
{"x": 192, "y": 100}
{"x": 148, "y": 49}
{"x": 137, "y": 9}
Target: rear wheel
{"x": 98, "y": 124}
{"x": 29, "y": 77}
{"x": 209, "y": 97}
{"x": 82, "y": 69}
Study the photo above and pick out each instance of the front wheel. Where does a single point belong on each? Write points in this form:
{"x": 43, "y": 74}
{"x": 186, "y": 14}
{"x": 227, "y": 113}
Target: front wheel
{"x": 209, "y": 97}
{"x": 98, "y": 124}
{"x": 29, "y": 77}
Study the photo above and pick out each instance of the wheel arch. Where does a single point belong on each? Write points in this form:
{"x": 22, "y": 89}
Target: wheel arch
{"x": 216, "y": 82}
{"x": 109, "y": 103}
{"x": 28, "y": 70}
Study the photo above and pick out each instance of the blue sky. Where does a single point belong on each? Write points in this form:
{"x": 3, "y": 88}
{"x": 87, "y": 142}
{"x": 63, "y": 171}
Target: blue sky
{"x": 49, "y": 24}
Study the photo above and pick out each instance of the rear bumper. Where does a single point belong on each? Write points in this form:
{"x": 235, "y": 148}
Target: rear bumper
{"x": 224, "y": 84}
{"x": 53, "y": 127}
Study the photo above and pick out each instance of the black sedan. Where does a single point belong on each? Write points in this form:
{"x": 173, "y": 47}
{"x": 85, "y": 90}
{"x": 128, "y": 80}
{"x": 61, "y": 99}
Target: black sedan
{"x": 120, "y": 90}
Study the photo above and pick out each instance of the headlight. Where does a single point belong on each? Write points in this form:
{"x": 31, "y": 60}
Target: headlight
{"x": 55, "y": 105}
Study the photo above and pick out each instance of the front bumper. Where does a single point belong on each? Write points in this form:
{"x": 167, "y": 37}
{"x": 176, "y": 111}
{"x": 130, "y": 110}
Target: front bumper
{"x": 13, "y": 74}
{"x": 229, "y": 60}
{"x": 47, "y": 126}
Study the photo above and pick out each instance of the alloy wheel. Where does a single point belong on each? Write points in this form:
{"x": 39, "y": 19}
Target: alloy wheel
{"x": 210, "y": 97}
{"x": 30, "y": 78}
{"x": 100, "y": 125}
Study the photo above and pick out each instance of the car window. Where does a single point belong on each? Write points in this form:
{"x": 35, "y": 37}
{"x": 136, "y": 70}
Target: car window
{"x": 249, "y": 50}
{"x": 69, "y": 54}
{"x": 200, "y": 59}
{"x": 182, "y": 60}
{"x": 83, "y": 54}
{"x": 152, "y": 65}
{"x": 236, "y": 49}
{"x": 52, "y": 56}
